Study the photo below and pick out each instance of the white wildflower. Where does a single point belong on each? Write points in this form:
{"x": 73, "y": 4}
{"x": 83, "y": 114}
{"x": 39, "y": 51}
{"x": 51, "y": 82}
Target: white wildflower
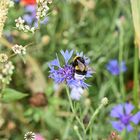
{"x": 11, "y": 4}
{"x": 8, "y": 68}
{"x": 19, "y": 49}
{"x": 6, "y": 72}
{"x": 20, "y": 24}
{"x": 27, "y": 27}
{"x": 4, "y": 5}
{"x": 29, "y": 136}
{"x": 32, "y": 29}
{"x": 3, "y": 57}
{"x": 42, "y": 9}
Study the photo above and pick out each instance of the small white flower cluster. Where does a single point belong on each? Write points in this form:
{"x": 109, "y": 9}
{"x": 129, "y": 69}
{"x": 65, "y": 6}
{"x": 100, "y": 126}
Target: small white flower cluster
{"x": 11, "y": 3}
{"x": 29, "y": 136}
{"x": 6, "y": 71}
{"x": 42, "y": 9}
{"x": 19, "y": 49}
{"x": 20, "y": 24}
{"x": 8, "y": 68}
{"x": 3, "y": 57}
{"x": 4, "y": 5}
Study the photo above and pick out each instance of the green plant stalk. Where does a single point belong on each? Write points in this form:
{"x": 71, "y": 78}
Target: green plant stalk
{"x": 66, "y": 132}
{"x": 94, "y": 116}
{"x": 121, "y": 79}
{"x": 135, "y": 5}
{"x": 3, "y": 87}
{"x": 136, "y": 77}
{"x": 73, "y": 110}
{"x": 78, "y": 134}
{"x": 124, "y": 134}
{"x": 91, "y": 133}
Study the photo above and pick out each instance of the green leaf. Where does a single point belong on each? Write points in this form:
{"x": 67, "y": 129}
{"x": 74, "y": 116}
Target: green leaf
{"x": 12, "y": 95}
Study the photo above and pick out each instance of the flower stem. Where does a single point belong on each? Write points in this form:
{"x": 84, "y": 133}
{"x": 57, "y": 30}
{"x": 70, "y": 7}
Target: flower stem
{"x": 78, "y": 134}
{"x": 121, "y": 79}
{"x": 72, "y": 108}
{"x": 94, "y": 115}
{"x": 2, "y": 91}
{"x": 66, "y": 132}
{"x": 123, "y": 134}
{"x": 135, "y": 6}
{"x": 136, "y": 77}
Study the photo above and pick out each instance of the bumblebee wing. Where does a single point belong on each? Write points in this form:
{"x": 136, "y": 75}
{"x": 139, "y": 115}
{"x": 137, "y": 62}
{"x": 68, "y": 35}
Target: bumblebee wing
{"x": 91, "y": 69}
{"x": 81, "y": 65}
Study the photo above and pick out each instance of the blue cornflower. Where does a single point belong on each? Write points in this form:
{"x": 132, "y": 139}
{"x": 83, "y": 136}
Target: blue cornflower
{"x": 115, "y": 68}
{"x": 30, "y": 16}
{"x": 66, "y": 73}
{"x": 122, "y": 113}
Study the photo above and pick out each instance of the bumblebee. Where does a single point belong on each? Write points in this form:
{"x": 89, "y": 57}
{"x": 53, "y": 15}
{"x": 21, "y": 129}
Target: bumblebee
{"x": 79, "y": 66}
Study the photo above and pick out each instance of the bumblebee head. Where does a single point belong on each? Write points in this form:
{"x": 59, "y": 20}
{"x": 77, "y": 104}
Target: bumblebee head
{"x": 78, "y": 60}
{"x": 79, "y": 65}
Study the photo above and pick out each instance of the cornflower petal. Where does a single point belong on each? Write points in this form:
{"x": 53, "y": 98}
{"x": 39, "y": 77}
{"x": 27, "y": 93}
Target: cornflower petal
{"x": 67, "y": 55}
{"x": 30, "y": 8}
{"x": 89, "y": 74}
{"x": 128, "y": 108}
{"x": 87, "y": 60}
{"x": 117, "y": 111}
{"x": 76, "y": 93}
{"x": 83, "y": 84}
{"x": 72, "y": 83}
{"x": 28, "y": 18}
{"x": 55, "y": 62}
{"x": 114, "y": 62}
{"x": 129, "y": 128}
{"x": 80, "y": 54}
{"x": 136, "y": 118}
{"x": 118, "y": 125}
{"x": 35, "y": 24}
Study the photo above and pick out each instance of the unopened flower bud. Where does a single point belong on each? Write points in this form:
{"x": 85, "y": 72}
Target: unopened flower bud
{"x": 75, "y": 127}
{"x": 87, "y": 102}
{"x": 45, "y": 39}
{"x": 50, "y": 1}
{"x": 104, "y": 101}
